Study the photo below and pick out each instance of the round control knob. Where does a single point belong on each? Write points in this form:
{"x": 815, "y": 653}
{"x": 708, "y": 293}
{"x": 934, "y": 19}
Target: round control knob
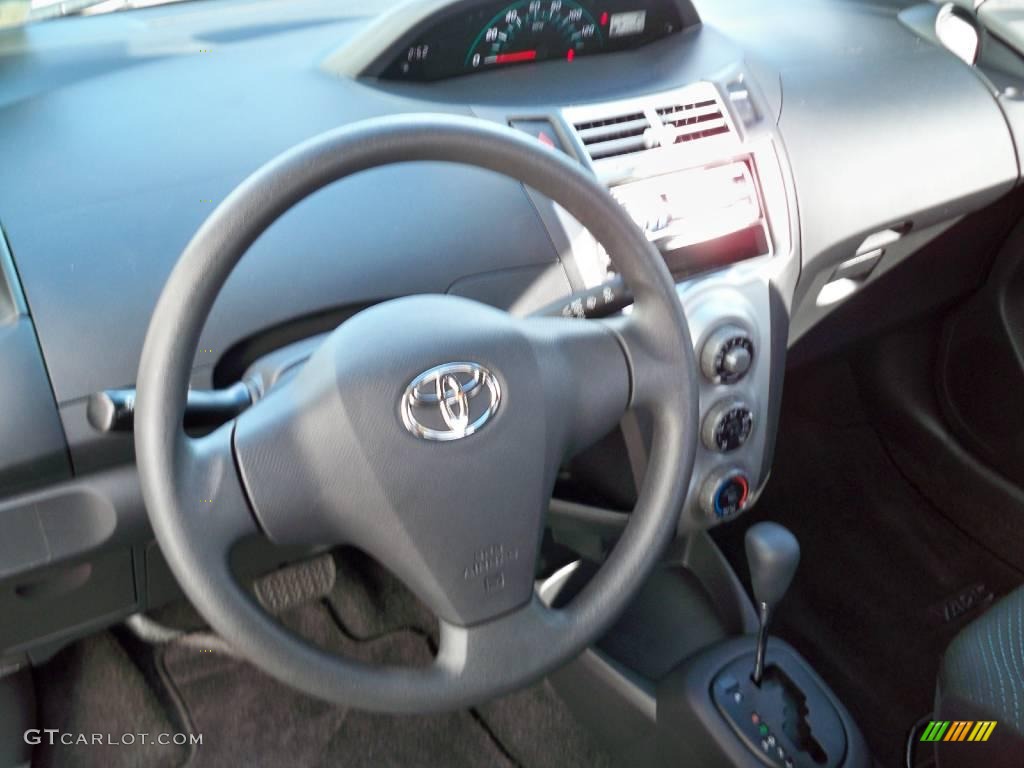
{"x": 726, "y": 494}
{"x": 727, "y": 355}
{"x": 727, "y": 426}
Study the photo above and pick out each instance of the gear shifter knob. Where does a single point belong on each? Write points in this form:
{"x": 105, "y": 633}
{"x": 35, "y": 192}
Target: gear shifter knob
{"x": 772, "y": 554}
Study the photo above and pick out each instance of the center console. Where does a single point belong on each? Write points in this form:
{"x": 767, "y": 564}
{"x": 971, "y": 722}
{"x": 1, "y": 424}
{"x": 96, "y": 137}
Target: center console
{"x": 700, "y": 169}
{"x": 689, "y": 675}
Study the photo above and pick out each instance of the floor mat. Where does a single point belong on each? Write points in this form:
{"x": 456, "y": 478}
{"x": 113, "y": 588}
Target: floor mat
{"x": 248, "y": 718}
{"x": 875, "y": 599}
{"x": 115, "y": 683}
{"x": 92, "y": 687}
{"x": 537, "y": 729}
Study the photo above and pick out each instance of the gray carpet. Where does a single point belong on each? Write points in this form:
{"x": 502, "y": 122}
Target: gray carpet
{"x": 93, "y": 687}
{"x": 247, "y": 718}
{"x": 539, "y": 731}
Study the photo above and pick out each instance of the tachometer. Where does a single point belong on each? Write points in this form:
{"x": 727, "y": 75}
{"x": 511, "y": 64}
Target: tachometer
{"x": 535, "y": 30}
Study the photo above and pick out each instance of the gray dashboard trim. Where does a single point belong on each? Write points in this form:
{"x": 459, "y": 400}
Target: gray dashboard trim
{"x": 880, "y": 141}
{"x": 778, "y": 335}
{"x": 33, "y": 450}
{"x": 32, "y": 447}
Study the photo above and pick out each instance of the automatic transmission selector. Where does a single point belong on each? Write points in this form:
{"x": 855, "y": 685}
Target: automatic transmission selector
{"x": 781, "y": 710}
{"x": 773, "y": 554}
{"x": 727, "y": 355}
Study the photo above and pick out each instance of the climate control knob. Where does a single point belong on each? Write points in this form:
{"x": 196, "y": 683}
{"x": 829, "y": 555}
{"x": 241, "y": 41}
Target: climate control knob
{"x": 725, "y": 494}
{"x": 727, "y": 355}
{"x": 727, "y": 426}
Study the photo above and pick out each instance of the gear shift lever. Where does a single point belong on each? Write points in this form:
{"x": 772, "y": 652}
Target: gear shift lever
{"x": 772, "y": 554}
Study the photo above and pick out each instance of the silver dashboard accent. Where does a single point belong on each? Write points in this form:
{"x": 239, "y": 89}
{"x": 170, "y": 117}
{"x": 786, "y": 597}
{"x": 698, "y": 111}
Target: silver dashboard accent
{"x": 690, "y": 191}
{"x": 450, "y": 401}
{"x": 735, "y": 300}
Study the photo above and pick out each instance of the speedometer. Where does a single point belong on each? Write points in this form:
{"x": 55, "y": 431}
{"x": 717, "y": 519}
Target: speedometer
{"x": 535, "y": 30}
{"x": 486, "y": 35}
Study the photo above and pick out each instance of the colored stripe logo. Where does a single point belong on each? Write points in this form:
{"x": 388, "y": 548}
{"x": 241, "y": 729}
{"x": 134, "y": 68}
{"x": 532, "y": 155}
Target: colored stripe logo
{"x": 958, "y": 730}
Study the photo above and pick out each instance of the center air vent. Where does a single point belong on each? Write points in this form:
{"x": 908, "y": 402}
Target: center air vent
{"x": 615, "y": 135}
{"x": 683, "y": 116}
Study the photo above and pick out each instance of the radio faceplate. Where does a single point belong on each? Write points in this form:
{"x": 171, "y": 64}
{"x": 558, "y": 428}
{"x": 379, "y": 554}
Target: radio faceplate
{"x": 687, "y": 207}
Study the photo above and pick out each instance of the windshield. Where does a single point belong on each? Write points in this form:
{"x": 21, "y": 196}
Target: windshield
{"x": 15, "y": 13}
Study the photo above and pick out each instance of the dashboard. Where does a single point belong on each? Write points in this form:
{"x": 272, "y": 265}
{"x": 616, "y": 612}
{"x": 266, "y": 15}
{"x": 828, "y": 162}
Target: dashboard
{"x": 479, "y": 37}
{"x": 763, "y": 147}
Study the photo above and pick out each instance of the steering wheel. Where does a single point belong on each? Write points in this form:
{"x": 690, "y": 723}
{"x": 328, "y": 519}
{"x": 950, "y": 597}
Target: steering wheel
{"x": 426, "y": 431}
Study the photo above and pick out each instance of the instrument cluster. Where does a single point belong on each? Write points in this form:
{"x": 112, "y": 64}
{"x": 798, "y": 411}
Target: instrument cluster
{"x": 493, "y": 35}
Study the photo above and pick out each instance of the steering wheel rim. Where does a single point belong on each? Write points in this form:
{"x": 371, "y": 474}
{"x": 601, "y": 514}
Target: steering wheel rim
{"x": 202, "y": 493}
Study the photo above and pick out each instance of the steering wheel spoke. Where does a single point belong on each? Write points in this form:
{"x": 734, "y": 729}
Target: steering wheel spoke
{"x": 470, "y": 655}
{"x": 213, "y": 500}
{"x": 587, "y": 379}
{"x": 653, "y": 355}
{"x": 291, "y": 462}
{"x": 211, "y": 511}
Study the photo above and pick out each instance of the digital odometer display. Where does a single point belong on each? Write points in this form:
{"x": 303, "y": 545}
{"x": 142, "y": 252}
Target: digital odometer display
{"x": 488, "y": 36}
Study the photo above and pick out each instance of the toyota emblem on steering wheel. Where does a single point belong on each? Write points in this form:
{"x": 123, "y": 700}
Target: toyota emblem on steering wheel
{"x": 450, "y": 401}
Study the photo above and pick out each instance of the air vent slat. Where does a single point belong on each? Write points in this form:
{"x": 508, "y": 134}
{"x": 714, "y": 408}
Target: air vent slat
{"x": 693, "y": 121}
{"x": 700, "y": 130}
{"x": 686, "y": 120}
{"x": 613, "y": 130}
{"x": 614, "y": 134}
{"x": 705, "y": 134}
{"x": 618, "y": 147}
{"x": 688, "y": 111}
{"x": 610, "y": 120}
